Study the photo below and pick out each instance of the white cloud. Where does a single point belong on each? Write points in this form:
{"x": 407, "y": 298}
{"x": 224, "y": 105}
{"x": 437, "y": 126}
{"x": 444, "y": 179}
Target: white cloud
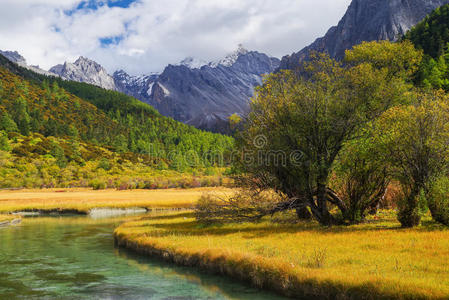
{"x": 156, "y": 33}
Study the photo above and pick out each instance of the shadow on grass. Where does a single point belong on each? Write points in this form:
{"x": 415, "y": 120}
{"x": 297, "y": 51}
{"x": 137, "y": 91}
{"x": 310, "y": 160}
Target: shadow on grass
{"x": 266, "y": 228}
{"x": 168, "y": 217}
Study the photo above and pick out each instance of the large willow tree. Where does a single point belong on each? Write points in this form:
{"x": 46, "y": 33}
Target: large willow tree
{"x": 300, "y": 121}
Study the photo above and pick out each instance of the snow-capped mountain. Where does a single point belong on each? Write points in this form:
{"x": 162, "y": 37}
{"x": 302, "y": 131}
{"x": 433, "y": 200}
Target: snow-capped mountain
{"x": 195, "y": 92}
{"x": 202, "y": 94}
{"x": 227, "y": 61}
{"x": 85, "y": 70}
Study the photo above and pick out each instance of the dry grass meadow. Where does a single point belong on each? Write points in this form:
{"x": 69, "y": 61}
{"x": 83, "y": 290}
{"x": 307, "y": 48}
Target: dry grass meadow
{"x": 375, "y": 260}
{"x": 84, "y": 199}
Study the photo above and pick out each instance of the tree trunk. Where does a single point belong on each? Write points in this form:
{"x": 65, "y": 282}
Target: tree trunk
{"x": 408, "y": 215}
{"x": 325, "y": 217}
{"x": 303, "y": 213}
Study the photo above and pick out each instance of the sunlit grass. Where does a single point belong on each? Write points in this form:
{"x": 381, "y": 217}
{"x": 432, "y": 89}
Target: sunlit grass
{"x": 376, "y": 259}
{"x": 83, "y": 200}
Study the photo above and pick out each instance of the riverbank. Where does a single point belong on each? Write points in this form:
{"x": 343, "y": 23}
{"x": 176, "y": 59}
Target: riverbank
{"x": 82, "y": 200}
{"x": 369, "y": 261}
{"x": 6, "y": 220}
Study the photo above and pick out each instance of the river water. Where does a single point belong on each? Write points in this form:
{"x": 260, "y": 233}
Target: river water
{"x": 75, "y": 258}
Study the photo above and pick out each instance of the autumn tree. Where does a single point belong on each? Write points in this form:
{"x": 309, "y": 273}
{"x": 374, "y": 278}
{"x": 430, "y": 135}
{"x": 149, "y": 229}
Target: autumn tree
{"x": 300, "y": 121}
{"x": 415, "y": 143}
{"x": 361, "y": 176}
{"x": 398, "y": 60}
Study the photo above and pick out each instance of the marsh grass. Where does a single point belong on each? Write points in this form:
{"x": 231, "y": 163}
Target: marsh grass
{"x": 317, "y": 258}
{"x": 83, "y": 199}
{"x": 373, "y": 260}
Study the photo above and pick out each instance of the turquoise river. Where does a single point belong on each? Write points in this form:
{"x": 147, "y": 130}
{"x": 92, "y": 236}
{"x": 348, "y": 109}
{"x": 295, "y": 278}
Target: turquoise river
{"x": 75, "y": 258}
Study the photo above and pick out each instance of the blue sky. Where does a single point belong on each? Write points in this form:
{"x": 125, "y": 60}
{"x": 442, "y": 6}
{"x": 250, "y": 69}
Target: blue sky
{"x": 143, "y": 36}
{"x": 95, "y": 5}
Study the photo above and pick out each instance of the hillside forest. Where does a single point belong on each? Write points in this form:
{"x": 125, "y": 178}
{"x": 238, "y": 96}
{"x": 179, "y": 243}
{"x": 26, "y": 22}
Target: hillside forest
{"x": 56, "y": 133}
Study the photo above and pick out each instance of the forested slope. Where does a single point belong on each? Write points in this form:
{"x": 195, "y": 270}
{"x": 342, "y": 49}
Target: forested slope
{"x": 50, "y": 127}
{"x": 124, "y": 123}
{"x": 432, "y": 36}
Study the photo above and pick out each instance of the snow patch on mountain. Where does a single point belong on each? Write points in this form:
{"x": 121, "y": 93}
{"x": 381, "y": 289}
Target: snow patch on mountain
{"x": 164, "y": 89}
{"x": 150, "y": 89}
{"x": 230, "y": 59}
{"x": 192, "y": 63}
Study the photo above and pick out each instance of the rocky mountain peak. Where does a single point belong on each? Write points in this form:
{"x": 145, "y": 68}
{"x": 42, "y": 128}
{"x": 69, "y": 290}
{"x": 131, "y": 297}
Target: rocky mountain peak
{"x": 192, "y": 63}
{"x": 120, "y": 72}
{"x": 14, "y": 56}
{"x": 231, "y": 58}
{"x": 85, "y": 70}
{"x": 84, "y": 62}
{"x": 83, "y": 59}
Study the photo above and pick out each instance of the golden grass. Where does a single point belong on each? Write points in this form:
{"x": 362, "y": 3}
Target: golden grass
{"x": 370, "y": 261}
{"x": 82, "y": 199}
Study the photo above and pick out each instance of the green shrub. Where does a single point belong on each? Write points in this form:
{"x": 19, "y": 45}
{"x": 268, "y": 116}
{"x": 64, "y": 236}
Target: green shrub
{"x": 411, "y": 209}
{"x": 7, "y": 123}
{"x": 104, "y": 164}
{"x": 97, "y": 184}
{"x": 4, "y": 142}
{"x": 438, "y": 201}
{"x": 409, "y": 217}
{"x": 124, "y": 185}
{"x": 141, "y": 185}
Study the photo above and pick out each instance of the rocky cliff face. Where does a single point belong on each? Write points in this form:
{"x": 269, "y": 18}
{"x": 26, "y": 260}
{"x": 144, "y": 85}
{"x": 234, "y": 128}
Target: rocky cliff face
{"x": 367, "y": 20}
{"x": 15, "y": 57}
{"x": 85, "y": 70}
{"x": 202, "y": 96}
{"x": 139, "y": 87}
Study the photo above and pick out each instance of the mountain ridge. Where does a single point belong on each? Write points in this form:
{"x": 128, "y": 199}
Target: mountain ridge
{"x": 203, "y": 96}
{"x": 197, "y": 93}
{"x": 15, "y": 57}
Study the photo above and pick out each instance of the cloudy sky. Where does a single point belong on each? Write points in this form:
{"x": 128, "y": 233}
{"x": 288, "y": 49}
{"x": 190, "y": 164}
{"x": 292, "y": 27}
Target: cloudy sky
{"x": 143, "y": 36}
